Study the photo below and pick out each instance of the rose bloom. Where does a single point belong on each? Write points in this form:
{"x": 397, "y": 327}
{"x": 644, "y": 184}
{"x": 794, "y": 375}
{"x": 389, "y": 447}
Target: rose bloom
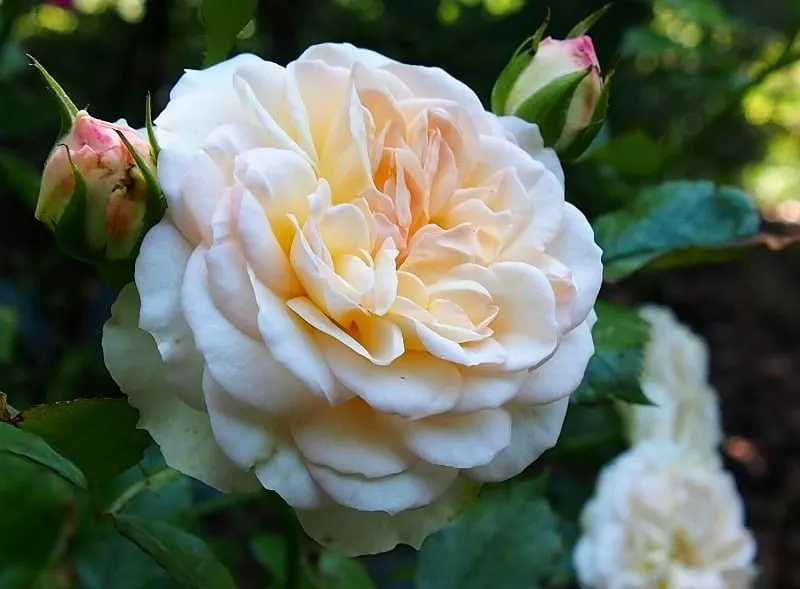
{"x": 365, "y": 295}
{"x": 662, "y": 518}
{"x": 675, "y": 378}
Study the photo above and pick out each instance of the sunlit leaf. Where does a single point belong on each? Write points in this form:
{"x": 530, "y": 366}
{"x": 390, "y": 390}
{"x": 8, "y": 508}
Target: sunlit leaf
{"x": 673, "y": 216}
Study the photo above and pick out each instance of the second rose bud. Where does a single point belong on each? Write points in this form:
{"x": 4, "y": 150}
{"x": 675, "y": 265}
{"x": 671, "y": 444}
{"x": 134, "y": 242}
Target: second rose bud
{"x": 558, "y": 85}
{"x": 93, "y": 163}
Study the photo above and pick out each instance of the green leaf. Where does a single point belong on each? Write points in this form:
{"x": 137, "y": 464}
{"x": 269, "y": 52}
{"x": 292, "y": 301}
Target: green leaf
{"x": 98, "y": 435}
{"x": 588, "y": 426}
{"x": 103, "y": 558}
{"x": 507, "y": 539}
{"x": 35, "y": 506}
{"x": 269, "y": 551}
{"x": 21, "y": 176}
{"x": 66, "y": 107}
{"x": 548, "y": 106}
{"x": 613, "y": 372}
{"x": 17, "y": 442}
{"x": 632, "y": 154}
{"x": 672, "y": 216}
{"x": 223, "y": 21}
{"x": 186, "y": 558}
{"x": 587, "y": 23}
{"x": 9, "y": 325}
{"x": 332, "y": 571}
{"x": 339, "y": 572}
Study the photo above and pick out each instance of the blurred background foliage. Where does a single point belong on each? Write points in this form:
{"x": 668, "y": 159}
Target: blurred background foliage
{"x": 702, "y": 89}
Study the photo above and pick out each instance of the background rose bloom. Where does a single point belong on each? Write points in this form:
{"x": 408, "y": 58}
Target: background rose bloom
{"x": 662, "y": 517}
{"x": 675, "y": 379}
{"x": 365, "y": 295}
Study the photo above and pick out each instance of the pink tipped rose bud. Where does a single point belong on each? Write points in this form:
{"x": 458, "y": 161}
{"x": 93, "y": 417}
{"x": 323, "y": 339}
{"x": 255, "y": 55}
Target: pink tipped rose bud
{"x": 116, "y": 190}
{"x": 552, "y": 60}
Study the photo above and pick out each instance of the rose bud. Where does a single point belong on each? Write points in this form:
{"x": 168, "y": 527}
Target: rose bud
{"x": 93, "y": 194}
{"x": 557, "y": 85}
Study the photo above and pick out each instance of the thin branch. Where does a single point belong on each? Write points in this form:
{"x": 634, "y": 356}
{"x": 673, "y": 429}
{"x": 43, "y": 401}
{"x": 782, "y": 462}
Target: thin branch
{"x": 152, "y": 482}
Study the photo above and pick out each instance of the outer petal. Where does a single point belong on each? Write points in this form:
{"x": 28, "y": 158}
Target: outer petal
{"x": 416, "y": 487}
{"x": 529, "y": 138}
{"x": 562, "y": 373}
{"x": 287, "y": 474}
{"x": 458, "y": 441}
{"x": 241, "y": 365}
{"x": 344, "y": 55}
{"x": 184, "y": 434}
{"x": 415, "y": 385}
{"x": 159, "y": 276}
{"x": 291, "y": 344}
{"x": 533, "y": 430}
{"x": 216, "y": 77}
{"x": 351, "y": 439}
{"x": 485, "y": 389}
{"x": 245, "y": 435}
{"x": 575, "y": 247}
{"x": 352, "y": 532}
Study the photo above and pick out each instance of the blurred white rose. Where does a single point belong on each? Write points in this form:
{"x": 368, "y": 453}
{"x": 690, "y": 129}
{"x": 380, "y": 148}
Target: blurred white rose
{"x": 675, "y": 378}
{"x": 365, "y": 295}
{"x": 663, "y": 518}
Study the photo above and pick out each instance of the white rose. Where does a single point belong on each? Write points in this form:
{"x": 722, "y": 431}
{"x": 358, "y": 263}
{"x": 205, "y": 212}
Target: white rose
{"x": 662, "y": 518}
{"x": 675, "y": 378}
{"x": 365, "y": 295}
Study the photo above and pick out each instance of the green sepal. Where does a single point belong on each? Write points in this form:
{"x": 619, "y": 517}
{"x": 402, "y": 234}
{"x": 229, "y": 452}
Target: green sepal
{"x": 155, "y": 149}
{"x": 70, "y": 229}
{"x": 66, "y": 107}
{"x": 518, "y": 62}
{"x": 548, "y": 106}
{"x": 585, "y": 138}
{"x": 587, "y": 23}
{"x": 156, "y": 203}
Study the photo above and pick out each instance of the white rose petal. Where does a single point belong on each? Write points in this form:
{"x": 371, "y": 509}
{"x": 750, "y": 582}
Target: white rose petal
{"x": 663, "y": 517}
{"x": 675, "y": 378}
{"x": 183, "y": 433}
{"x": 370, "y": 294}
